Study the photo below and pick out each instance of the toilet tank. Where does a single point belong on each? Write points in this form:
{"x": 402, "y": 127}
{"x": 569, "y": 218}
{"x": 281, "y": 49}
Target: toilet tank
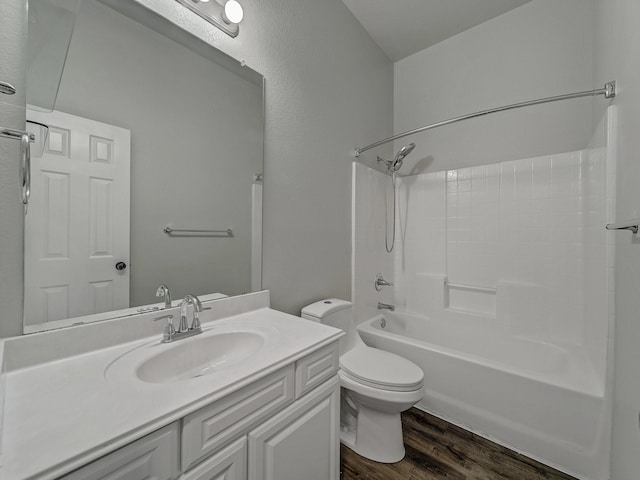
{"x": 335, "y": 313}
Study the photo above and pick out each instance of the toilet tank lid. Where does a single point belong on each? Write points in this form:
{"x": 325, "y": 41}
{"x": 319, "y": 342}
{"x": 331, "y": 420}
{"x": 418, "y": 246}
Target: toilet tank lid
{"x": 323, "y": 308}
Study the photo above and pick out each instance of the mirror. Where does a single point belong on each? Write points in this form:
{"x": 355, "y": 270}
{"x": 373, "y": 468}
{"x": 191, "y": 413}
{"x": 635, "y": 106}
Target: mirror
{"x": 151, "y": 172}
{"x": 50, "y": 29}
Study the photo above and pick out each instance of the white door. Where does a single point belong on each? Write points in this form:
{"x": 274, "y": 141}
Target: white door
{"x": 77, "y": 225}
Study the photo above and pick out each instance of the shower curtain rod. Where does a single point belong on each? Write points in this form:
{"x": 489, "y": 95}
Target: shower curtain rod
{"x": 609, "y": 91}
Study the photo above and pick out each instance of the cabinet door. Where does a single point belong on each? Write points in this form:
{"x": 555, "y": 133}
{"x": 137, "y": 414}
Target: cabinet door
{"x": 154, "y": 457}
{"x": 228, "y": 464}
{"x": 301, "y": 442}
{"x": 208, "y": 429}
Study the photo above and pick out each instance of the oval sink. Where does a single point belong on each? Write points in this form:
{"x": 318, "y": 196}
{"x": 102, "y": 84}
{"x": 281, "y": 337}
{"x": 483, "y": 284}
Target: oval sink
{"x": 199, "y": 356}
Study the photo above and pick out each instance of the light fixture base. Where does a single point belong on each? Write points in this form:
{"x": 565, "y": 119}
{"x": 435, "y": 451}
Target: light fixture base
{"x": 212, "y": 12}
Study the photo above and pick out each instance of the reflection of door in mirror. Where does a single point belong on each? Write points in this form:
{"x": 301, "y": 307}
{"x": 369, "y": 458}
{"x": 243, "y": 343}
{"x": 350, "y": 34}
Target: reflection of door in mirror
{"x": 77, "y": 226}
{"x": 196, "y": 119}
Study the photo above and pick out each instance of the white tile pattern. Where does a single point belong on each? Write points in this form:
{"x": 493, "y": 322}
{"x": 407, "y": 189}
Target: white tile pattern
{"x": 532, "y": 229}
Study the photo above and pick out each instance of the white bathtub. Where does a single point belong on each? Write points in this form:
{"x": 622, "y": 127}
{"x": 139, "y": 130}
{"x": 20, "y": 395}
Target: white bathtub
{"x": 540, "y": 399}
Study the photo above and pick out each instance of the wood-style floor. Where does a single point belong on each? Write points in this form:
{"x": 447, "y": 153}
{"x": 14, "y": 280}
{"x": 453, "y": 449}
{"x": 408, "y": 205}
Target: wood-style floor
{"x": 438, "y": 450}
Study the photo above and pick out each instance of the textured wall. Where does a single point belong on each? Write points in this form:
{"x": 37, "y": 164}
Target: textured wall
{"x": 541, "y": 49}
{"x": 12, "y": 52}
{"x": 328, "y": 89}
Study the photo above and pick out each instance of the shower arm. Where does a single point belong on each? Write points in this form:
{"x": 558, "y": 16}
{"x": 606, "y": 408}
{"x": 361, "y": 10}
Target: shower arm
{"x": 609, "y": 91}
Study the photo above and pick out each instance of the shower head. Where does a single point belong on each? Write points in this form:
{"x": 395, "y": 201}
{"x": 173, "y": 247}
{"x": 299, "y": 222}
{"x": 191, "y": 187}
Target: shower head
{"x": 394, "y": 165}
{"x": 400, "y": 156}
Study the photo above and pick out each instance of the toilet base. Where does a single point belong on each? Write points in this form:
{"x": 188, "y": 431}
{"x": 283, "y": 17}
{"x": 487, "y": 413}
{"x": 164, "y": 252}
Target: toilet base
{"x": 378, "y": 436}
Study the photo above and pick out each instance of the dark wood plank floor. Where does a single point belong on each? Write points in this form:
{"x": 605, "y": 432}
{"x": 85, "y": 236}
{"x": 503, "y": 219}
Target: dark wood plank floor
{"x": 438, "y": 450}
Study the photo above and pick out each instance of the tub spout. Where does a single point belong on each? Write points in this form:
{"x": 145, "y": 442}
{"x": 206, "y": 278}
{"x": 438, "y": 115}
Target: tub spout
{"x": 386, "y": 306}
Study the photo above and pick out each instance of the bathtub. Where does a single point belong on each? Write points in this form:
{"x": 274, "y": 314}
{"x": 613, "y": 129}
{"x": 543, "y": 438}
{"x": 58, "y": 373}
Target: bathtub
{"x": 541, "y": 399}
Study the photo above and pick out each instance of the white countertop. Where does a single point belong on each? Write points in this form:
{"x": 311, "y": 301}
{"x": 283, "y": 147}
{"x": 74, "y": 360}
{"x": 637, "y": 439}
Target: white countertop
{"x": 62, "y": 414}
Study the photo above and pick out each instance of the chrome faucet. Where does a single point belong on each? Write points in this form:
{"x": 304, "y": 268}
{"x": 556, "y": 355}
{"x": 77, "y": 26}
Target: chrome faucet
{"x": 197, "y": 308}
{"x": 170, "y": 334}
{"x": 169, "y": 329}
{"x": 163, "y": 290}
{"x": 386, "y": 306}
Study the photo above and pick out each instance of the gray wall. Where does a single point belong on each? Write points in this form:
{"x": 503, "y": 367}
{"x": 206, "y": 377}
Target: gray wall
{"x": 541, "y": 49}
{"x": 617, "y": 50}
{"x": 328, "y": 89}
{"x": 12, "y": 114}
{"x": 196, "y": 142}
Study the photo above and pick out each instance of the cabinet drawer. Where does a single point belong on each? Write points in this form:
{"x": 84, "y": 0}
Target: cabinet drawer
{"x": 209, "y": 428}
{"x": 228, "y": 464}
{"x": 316, "y": 368}
{"x": 152, "y": 457}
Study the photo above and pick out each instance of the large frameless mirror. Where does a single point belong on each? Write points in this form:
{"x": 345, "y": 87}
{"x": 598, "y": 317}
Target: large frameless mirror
{"x": 151, "y": 171}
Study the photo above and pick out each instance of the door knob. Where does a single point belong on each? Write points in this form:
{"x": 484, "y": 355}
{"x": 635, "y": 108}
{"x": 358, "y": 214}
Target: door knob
{"x": 121, "y": 266}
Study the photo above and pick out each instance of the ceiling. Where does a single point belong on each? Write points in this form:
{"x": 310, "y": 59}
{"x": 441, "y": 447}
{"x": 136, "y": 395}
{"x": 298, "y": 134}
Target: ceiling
{"x": 404, "y": 27}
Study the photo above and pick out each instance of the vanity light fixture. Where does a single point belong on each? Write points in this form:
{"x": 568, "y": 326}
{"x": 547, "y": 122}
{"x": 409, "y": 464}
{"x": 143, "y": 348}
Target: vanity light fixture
{"x": 232, "y": 12}
{"x": 224, "y": 14}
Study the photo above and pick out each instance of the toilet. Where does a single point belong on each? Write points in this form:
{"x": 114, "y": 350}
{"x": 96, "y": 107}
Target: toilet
{"x": 376, "y": 387}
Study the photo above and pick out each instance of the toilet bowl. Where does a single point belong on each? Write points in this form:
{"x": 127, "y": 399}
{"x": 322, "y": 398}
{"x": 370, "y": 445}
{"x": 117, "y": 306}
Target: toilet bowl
{"x": 376, "y": 387}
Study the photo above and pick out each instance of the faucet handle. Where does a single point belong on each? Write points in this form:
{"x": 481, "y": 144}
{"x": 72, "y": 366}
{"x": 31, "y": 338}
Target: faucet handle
{"x": 381, "y": 282}
{"x": 195, "y": 323}
{"x": 169, "y": 329}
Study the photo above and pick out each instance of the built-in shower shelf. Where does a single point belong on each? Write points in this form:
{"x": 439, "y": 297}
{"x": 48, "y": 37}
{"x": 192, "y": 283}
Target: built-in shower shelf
{"x": 464, "y": 286}
{"x": 469, "y": 298}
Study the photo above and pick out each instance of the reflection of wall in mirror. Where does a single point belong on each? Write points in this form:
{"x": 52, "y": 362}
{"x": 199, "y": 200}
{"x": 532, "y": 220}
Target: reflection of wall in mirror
{"x": 196, "y": 144}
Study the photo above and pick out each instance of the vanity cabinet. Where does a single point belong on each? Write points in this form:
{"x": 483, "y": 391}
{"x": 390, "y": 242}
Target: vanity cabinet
{"x": 284, "y": 426}
{"x": 207, "y": 429}
{"x": 302, "y": 441}
{"x": 230, "y": 463}
{"x": 154, "y": 457}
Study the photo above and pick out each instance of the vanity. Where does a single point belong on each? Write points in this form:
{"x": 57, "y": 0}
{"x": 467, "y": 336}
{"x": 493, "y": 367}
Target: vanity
{"x": 255, "y": 396}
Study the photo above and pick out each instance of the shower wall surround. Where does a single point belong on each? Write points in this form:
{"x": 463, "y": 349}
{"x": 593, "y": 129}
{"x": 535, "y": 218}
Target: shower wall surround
{"x": 520, "y": 245}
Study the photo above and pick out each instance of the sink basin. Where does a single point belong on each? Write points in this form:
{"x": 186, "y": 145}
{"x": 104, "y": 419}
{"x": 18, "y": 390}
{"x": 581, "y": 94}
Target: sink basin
{"x": 197, "y": 356}
{"x": 220, "y": 351}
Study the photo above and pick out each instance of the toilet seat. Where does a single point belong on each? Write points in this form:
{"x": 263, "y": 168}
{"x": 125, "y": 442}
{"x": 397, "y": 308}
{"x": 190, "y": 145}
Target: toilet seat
{"x": 380, "y": 369}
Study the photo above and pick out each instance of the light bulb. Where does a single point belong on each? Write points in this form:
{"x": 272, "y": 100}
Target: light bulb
{"x": 232, "y": 12}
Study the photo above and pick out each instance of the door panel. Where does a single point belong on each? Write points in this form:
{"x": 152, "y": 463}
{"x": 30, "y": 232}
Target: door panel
{"x": 77, "y": 225}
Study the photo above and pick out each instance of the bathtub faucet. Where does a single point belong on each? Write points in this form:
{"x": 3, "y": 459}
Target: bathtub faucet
{"x": 386, "y": 306}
